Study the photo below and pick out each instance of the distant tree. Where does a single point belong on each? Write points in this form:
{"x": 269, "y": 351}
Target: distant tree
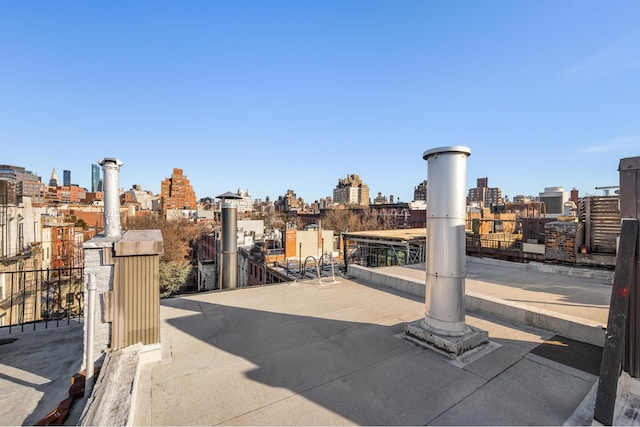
{"x": 340, "y": 220}
{"x": 173, "y": 277}
{"x": 179, "y": 242}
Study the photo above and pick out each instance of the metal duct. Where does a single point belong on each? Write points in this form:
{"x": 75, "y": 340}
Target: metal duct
{"x": 229, "y": 258}
{"x": 111, "y": 187}
{"x": 446, "y": 261}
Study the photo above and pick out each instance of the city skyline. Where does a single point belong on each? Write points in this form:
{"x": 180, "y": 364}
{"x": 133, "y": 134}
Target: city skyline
{"x": 286, "y": 95}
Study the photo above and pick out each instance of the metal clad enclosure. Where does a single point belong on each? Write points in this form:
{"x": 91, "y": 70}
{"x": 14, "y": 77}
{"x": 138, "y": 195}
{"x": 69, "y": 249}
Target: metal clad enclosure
{"x": 137, "y": 298}
{"x": 135, "y": 305}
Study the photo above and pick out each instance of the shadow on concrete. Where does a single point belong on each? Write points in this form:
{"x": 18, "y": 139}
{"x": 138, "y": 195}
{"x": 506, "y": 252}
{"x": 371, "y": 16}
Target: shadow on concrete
{"x": 36, "y": 371}
{"x": 355, "y": 371}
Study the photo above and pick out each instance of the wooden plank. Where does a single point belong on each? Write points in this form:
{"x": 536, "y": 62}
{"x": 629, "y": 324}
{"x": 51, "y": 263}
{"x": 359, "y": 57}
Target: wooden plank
{"x": 616, "y": 325}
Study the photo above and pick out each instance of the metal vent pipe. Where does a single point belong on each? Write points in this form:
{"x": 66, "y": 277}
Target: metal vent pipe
{"x": 111, "y": 187}
{"x": 229, "y": 259}
{"x": 446, "y": 255}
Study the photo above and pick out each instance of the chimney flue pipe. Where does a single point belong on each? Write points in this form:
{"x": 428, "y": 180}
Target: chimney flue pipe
{"x": 111, "y": 187}
{"x": 446, "y": 255}
{"x": 229, "y": 261}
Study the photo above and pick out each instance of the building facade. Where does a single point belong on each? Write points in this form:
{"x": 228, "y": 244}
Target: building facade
{"x": 483, "y": 195}
{"x": 380, "y": 199}
{"x": 95, "y": 178}
{"x": 28, "y": 183}
{"x": 245, "y": 203}
{"x": 176, "y": 192}
{"x": 420, "y": 192}
{"x": 53, "y": 181}
{"x": 139, "y": 196}
{"x": 351, "y": 191}
{"x": 65, "y": 194}
{"x": 288, "y": 202}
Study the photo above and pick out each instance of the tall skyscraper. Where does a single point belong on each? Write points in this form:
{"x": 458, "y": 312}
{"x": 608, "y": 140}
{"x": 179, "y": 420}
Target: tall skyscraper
{"x": 176, "y": 192}
{"x": 66, "y": 178}
{"x": 53, "y": 181}
{"x": 95, "y": 178}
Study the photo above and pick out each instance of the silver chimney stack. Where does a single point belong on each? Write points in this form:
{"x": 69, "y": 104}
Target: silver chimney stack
{"x": 446, "y": 252}
{"x": 229, "y": 261}
{"x": 111, "y": 187}
{"x": 444, "y": 324}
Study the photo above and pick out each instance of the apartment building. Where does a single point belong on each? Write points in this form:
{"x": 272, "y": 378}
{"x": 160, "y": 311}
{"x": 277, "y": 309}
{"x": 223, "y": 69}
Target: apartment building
{"x": 28, "y": 183}
{"x": 351, "y": 191}
{"x": 176, "y": 192}
{"x": 483, "y": 195}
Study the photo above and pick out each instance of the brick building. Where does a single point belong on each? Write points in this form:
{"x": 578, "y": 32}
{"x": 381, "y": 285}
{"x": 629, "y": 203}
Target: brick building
{"x": 65, "y": 194}
{"x": 176, "y": 192}
{"x": 29, "y": 184}
{"x": 483, "y": 195}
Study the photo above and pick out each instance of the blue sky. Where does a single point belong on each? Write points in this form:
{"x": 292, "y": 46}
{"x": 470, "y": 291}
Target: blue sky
{"x": 276, "y": 95}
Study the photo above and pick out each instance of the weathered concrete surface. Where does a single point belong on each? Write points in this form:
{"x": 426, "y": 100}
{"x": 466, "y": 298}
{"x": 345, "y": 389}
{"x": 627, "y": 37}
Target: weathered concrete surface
{"x": 308, "y": 354}
{"x": 572, "y": 302}
{"x": 303, "y": 354}
{"x": 36, "y": 371}
{"x": 111, "y": 399}
{"x": 140, "y": 242}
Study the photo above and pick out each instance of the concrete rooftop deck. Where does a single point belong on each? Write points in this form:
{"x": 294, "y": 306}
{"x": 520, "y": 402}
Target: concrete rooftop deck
{"x": 300, "y": 353}
{"x": 309, "y": 354}
{"x": 578, "y": 292}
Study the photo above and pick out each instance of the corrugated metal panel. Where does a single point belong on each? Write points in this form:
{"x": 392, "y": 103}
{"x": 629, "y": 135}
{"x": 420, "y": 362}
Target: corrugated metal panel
{"x": 137, "y": 301}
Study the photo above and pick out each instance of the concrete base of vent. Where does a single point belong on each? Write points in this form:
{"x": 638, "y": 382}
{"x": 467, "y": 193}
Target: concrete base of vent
{"x": 455, "y": 346}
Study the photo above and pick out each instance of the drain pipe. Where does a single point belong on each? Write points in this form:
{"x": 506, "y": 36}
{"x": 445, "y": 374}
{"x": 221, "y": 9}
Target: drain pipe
{"x": 111, "y": 187}
{"x": 90, "y": 362}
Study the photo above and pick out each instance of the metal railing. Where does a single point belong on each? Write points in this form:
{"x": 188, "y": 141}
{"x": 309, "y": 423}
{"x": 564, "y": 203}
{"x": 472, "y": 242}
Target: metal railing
{"x": 480, "y": 245}
{"x": 38, "y": 299}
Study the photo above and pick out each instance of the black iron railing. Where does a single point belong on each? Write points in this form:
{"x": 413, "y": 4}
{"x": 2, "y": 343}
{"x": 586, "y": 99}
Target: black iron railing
{"x": 483, "y": 246}
{"x": 39, "y": 299}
